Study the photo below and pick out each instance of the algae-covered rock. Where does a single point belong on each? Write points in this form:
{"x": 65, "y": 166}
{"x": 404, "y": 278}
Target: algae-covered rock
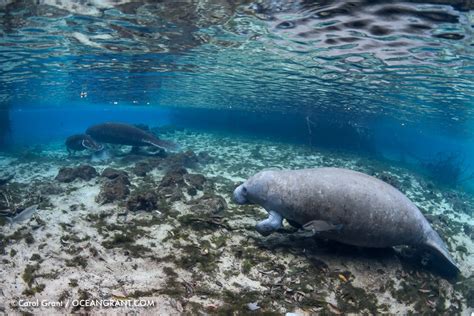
{"x": 142, "y": 201}
{"x": 142, "y": 168}
{"x": 195, "y": 180}
{"x": 111, "y": 173}
{"x": 209, "y": 204}
{"x": 84, "y": 172}
{"x": 173, "y": 178}
{"x": 114, "y": 190}
{"x": 186, "y": 159}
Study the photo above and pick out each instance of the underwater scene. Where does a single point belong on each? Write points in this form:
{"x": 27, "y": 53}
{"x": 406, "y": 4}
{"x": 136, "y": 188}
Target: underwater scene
{"x": 237, "y": 157}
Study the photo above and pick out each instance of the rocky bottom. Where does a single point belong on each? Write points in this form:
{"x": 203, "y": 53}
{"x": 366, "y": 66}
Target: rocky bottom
{"x": 162, "y": 227}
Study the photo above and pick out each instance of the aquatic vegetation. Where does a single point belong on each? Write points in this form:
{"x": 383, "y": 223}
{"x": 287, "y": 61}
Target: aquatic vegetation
{"x": 187, "y": 159}
{"x": 141, "y": 168}
{"x": 29, "y": 277}
{"x": 128, "y": 244}
{"x": 115, "y": 189}
{"x": 142, "y": 201}
{"x": 77, "y": 261}
{"x": 351, "y": 299}
{"x": 73, "y": 283}
{"x": 208, "y": 204}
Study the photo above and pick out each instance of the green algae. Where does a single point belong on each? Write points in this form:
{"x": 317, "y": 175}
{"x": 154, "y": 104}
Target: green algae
{"x": 142, "y": 293}
{"x": 29, "y": 274}
{"x": 200, "y": 256}
{"x": 63, "y": 296}
{"x": 205, "y": 222}
{"x": 74, "y": 238}
{"x": 426, "y": 295}
{"x": 33, "y": 290}
{"x": 84, "y": 296}
{"x": 36, "y": 257}
{"x": 123, "y": 236}
{"x": 77, "y": 261}
{"x": 351, "y": 299}
{"x": 236, "y": 303}
{"x": 20, "y": 234}
{"x": 127, "y": 243}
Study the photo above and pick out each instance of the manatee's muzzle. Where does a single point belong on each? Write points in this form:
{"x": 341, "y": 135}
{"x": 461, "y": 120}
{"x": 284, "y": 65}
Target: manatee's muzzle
{"x": 239, "y": 195}
{"x": 92, "y": 146}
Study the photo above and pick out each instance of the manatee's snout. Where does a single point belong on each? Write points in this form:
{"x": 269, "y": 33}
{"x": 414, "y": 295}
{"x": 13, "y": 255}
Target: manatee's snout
{"x": 92, "y": 145}
{"x": 240, "y": 195}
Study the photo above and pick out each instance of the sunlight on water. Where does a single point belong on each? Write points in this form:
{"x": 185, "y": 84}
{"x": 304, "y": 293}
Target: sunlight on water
{"x": 409, "y": 59}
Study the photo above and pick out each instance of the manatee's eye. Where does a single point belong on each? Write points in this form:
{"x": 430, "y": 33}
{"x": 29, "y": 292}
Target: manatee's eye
{"x": 244, "y": 190}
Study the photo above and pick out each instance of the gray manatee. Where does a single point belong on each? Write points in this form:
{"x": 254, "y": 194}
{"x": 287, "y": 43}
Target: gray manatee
{"x": 343, "y": 205}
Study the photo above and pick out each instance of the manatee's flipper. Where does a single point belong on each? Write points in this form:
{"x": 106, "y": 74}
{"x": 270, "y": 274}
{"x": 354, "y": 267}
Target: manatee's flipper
{"x": 84, "y": 144}
{"x": 442, "y": 259}
{"x": 271, "y": 224}
{"x": 161, "y": 143}
{"x": 321, "y": 226}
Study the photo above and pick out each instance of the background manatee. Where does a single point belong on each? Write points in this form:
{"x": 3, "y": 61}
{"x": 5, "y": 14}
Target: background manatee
{"x": 125, "y": 134}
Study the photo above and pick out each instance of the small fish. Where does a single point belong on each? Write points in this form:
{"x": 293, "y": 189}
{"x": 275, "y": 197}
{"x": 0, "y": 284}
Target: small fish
{"x": 24, "y": 215}
{"x": 342, "y": 278}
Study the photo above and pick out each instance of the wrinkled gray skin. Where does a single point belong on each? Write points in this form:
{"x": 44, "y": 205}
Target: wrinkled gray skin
{"x": 368, "y": 211}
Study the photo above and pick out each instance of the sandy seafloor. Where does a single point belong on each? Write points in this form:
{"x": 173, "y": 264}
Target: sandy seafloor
{"x": 180, "y": 241}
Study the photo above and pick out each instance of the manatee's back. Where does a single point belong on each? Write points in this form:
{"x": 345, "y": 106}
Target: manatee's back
{"x": 372, "y": 213}
{"x": 117, "y": 133}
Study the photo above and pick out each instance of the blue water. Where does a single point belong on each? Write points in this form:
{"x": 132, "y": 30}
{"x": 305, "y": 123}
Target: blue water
{"x": 373, "y": 85}
{"x": 401, "y": 72}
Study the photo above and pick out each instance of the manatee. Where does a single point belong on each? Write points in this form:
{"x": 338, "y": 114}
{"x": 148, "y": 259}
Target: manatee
{"x": 79, "y": 142}
{"x": 342, "y": 205}
{"x": 125, "y": 134}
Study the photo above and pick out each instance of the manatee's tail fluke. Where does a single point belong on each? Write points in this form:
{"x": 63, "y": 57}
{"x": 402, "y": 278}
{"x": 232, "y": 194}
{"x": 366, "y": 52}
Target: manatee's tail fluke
{"x": 442, "y": 259}
{"x": 162, "y": 144}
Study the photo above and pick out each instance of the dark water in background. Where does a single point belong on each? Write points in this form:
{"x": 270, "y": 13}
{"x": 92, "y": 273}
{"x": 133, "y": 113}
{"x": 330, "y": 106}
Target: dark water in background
{"x": 386, "y": 79}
